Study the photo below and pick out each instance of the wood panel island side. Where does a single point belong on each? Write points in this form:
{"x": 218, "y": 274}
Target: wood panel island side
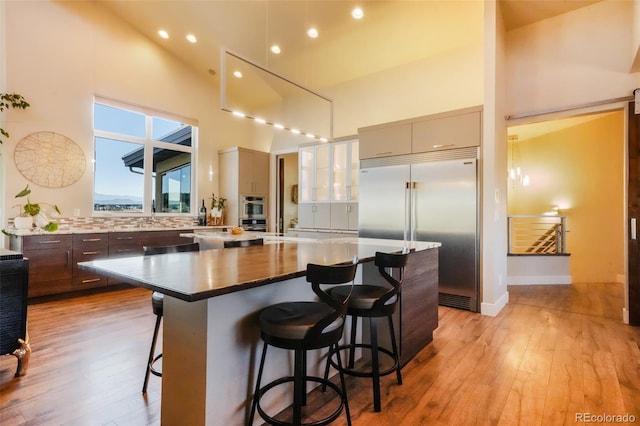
{"x": 211, "y": 337}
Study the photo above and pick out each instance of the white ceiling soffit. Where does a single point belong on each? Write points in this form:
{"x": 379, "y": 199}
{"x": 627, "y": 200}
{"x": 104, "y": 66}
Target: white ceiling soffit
{"x": 518, "y": 13}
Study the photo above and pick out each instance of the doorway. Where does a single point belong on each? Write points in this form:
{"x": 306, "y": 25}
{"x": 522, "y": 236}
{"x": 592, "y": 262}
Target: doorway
{"x": 575, "y": 167}
{"x": 287, "y": 192}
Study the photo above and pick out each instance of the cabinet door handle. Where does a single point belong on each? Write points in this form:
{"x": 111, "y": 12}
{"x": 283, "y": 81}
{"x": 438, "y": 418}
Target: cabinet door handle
{"x": 124, "y": 238}
{"x": 633, "y": 228}
{"x": 123, "y": 250}
{"x": 89, "y": 240}
{"x": 50, "y": 242}
{"x": 67, "y": 258}
{"x": 90, "y": 252}
{"x": 443, "y": 145}
{"x": 93, "y": 280}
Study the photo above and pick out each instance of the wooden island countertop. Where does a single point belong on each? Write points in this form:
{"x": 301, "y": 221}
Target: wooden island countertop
{"x": 212, "y": 300}
{"x": 209, "y": 273}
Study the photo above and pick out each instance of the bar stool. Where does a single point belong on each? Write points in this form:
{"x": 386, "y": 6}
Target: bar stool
{"x": 373, "y": 302}
{"x": 243, "y": 243}
{"x": 157, "y": 302}
{"x": 303, "y": 326}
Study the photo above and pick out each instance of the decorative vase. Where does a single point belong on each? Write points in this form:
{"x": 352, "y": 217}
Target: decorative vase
{"x": 41, "y": 220}
{"x": 23, "y": 222}
{"x": 216, "y": 217}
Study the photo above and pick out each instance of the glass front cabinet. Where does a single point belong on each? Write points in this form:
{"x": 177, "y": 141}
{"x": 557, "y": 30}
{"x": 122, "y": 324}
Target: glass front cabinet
{"x": 328, "y": 186}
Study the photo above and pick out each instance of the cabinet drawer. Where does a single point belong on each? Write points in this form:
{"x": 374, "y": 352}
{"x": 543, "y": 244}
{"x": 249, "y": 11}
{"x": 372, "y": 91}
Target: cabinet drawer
{"x": 91, "y": 242}
{"x": 87, "y": 254}
{"x": 452, "y": 132}
{"x": 124, "y": 244}
{"x": 164, "y": 238}
{"x": 85, "y": 280}
{"x": 47, "y": 242}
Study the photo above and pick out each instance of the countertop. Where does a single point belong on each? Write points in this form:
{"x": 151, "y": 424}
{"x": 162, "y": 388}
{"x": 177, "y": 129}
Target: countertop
{"x": 200, "y": 275}
{"x": 62, "y": 230}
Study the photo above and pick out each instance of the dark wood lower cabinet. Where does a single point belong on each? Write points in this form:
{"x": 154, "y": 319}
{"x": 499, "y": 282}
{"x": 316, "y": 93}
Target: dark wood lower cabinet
{"x": 417, "y": 314}
{"x": 54, "y": 257}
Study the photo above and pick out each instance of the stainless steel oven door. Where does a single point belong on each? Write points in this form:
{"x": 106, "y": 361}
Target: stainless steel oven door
{"x": 259, "y": 225}
{"x": 253, "y": 207}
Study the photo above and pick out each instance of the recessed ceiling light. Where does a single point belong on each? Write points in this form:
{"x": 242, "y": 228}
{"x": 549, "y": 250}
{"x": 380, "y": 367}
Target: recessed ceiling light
{"x": 192, "y": 38}
{"x": 278, "y": 126}
{"x": 260, "y": 120}
{"x": 163, "y": 34}
{"x": 312, "y": 32}
{"x": 239, "y": 114}
{"x": 237, "y": 74}
{"x": 357, "y": 13}
{"x": 275, "y": 49}
{"x": 296, "y": 131}
{"x": 310, "y": 135}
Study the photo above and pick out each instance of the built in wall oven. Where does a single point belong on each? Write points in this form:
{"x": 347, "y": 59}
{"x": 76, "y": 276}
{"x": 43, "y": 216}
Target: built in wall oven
{"x": 253, "y": 213}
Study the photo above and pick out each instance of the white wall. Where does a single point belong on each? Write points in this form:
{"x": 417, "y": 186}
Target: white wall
{"x": 579, "y": 57}
{"x": 493, "y": 161}
{"x": 60, "y": 54}
{"x": 451, "y": 80}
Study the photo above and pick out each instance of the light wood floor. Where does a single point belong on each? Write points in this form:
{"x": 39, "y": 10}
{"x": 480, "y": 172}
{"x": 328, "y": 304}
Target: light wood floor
{"x": 553, "y": 352}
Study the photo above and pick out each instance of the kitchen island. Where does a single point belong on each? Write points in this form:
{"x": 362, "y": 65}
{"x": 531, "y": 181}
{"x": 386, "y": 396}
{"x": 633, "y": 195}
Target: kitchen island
{"x": 211, "y": 335}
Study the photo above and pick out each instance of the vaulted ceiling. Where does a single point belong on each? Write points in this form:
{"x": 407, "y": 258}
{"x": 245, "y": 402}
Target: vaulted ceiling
{"x": 391, "y": 33}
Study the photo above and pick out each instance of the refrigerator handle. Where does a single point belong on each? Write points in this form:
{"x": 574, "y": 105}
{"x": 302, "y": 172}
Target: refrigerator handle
{"x": 407, "y": 210}
{"x": 414, "y": 206}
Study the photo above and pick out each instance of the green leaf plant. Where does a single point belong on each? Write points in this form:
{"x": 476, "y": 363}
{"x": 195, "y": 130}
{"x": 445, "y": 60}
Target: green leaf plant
{"x": 32, "y": 209}
{"x": 11, "y": 100}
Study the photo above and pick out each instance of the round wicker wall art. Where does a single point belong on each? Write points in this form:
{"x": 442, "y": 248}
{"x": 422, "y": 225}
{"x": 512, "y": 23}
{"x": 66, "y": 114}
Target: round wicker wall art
{"x": 49, "y": 159}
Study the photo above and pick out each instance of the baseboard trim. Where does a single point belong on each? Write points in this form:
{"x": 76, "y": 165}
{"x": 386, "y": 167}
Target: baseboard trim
{"x": 493, "y": 309}
{"x": 539, "y": 280}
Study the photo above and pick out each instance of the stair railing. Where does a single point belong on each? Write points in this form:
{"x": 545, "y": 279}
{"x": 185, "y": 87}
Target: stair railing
{"x": 536, "y": 234}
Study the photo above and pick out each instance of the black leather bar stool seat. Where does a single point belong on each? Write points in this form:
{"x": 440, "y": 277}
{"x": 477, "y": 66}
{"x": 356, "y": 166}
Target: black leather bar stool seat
{"x": 303, "y": 326}
{"x": 157, "y": 303}
{"x": 373, "y": 302}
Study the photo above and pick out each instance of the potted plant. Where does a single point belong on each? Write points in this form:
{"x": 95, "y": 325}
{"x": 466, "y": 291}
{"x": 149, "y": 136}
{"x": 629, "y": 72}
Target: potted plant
{"x": 30, "y": 212}
{"x": 11, "y": 100}
{"x": 217, "y": 207}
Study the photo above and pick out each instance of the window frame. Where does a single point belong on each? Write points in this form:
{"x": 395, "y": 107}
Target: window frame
{"x": 148, "y": 144}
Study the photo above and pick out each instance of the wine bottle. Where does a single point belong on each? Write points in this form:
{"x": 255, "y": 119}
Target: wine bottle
{"x": 202, "y": 215}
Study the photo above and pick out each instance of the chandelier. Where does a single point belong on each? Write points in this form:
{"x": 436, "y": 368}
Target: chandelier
{"x": 516, "y": 176}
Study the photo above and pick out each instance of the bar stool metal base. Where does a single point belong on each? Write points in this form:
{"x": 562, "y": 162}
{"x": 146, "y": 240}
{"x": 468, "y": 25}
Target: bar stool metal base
{"x": 324, "y": 421}
{"x": 351, "y": 370}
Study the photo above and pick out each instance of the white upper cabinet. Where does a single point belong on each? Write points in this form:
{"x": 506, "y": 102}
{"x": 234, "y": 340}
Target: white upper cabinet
{"x": 328, "y": 186}
{"x": 346, "y": 167}
{"x": 456, "y": 131}
{"x": 385, "y": 141}
{"x": 448, "y": 130}
{"x": 315, "y": 173}
{"x": 253, "y": 172}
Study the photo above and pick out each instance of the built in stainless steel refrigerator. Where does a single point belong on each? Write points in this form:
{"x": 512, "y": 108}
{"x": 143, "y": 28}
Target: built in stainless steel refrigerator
{"x": 428, "y": 197}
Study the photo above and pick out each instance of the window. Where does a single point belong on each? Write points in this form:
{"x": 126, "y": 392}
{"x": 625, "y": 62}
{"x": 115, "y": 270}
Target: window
{"x": 142, "y": 161}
